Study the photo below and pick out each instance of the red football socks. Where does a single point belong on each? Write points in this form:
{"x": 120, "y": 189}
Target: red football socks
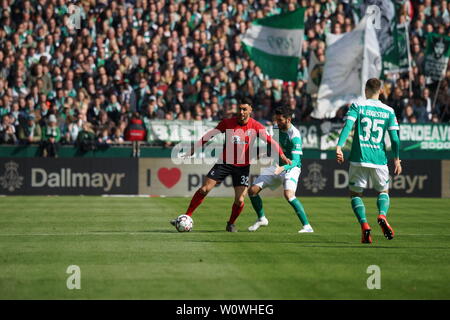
{"x": 197, "y": 199}
{"x": 235, "y": 212}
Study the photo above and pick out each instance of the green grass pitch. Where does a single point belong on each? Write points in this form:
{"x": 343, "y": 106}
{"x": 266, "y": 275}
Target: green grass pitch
{"x": 126, "y": 249}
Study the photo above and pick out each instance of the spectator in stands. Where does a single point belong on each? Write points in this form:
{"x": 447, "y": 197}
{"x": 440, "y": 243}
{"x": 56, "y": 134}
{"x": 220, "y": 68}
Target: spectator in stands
{"x": 149, "y": 56}
{"x": 86, "y": 139}
{"x": 7, "y": 131}
{"x": 408, "y": 114}
{"x": 104, "y": 138}
{"x": 51, "y": 135}
{"x": 117, "y": 136}
{"x": 30, "y": 131}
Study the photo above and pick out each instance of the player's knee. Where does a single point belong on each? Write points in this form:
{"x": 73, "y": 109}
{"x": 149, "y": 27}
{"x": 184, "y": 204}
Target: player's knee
{"x": 288, "y": 194}
{"x": 205, "y": 189}
{"x": 253, "y": 191}
{"x": 239, "y": 201}
{"x": 355, "y": 194}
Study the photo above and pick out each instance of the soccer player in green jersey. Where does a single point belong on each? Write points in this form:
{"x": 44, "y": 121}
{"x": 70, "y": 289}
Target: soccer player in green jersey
{"x": 291, "y": 143}
{"x": 368, "y": 157}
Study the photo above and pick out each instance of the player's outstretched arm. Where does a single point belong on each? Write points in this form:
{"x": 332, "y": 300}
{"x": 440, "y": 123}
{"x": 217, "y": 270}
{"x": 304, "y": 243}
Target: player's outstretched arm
{"x": 295, "y": 161}
{"x": 395, "y": 145}
{"x": 206, "y": 137}
{"x": 268, "y": 139}
{"x": 342, "y": 138}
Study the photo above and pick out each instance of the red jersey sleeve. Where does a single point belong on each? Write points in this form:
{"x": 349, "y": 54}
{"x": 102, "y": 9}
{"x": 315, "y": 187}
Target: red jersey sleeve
{"x": 262, "y": 133}
{"x": 220, "y": 128}
{"x": 222, "y": 125}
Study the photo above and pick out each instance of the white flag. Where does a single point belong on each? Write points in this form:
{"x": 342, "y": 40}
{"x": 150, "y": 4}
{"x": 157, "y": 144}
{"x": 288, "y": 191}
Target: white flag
{"x": 350, "y": 62}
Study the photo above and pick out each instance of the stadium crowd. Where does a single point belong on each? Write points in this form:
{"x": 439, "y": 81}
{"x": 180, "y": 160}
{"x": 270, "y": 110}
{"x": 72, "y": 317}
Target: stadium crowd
{"x": 174, "y": 60}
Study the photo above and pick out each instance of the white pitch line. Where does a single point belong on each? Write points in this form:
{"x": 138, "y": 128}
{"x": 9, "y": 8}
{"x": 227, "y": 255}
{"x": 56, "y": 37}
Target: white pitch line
{"x": 150, "y": 232}
{"x": 72, "y": 234}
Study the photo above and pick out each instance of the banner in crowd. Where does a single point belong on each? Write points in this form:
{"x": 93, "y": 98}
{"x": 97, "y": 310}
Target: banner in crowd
{"x": 396, "y": 58}
{"x": 68, "y": 176}
{"x": 188, "y": 131}
{"x": 385, "y": 20}
{"x": 350, "y": 62}
{"x": 315, "y": 71}
{"x": 274, "y": 43}
{"x": 437, "y": 55}
{"x": 178, "y": 131}
{"x": 434, "y": 136}
{"x": 427, "y": 136}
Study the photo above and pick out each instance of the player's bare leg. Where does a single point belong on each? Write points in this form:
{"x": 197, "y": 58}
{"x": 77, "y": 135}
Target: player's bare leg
{"x": 238, "y": 205}
{"x": 383, "y": 207}
{"x": 198, "y": 197}
{"x": 289, "y": 195}
{"x": 360, "y": 212}
{"x": 257, "y": 204}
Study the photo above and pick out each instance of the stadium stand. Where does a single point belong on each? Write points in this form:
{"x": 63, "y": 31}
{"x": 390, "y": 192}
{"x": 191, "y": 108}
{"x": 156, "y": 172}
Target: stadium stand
{"x": 176, "y": 60}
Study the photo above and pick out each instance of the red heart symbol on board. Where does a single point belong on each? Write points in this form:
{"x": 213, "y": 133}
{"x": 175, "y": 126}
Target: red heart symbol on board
{"x": 169, "y": 177}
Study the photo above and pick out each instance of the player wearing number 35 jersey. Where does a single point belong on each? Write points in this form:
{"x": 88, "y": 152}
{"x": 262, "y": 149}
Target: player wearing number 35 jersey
{"x": 372, "y": 119}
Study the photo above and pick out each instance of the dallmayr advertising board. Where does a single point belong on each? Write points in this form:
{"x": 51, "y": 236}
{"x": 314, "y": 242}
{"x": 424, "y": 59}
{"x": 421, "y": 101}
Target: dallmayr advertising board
{"x": 421, "y": 178}
{"x": 160, "y": 176}
{"x": 68, "y": 176}
{"x": 446, "y": 179}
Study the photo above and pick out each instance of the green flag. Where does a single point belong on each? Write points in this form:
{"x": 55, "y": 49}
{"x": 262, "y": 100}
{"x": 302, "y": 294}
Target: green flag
{"x": 436, "y": 56}
{"x": 396, "y": 56}
{"x": 275, "y": 44}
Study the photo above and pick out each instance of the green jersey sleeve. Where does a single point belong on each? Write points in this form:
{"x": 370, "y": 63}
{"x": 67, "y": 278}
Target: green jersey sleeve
{"x": 352, "y": 113}
{"x": 393, "y": 124}
{"x": 350, "y": 118}
{"x": 296, "y": 153}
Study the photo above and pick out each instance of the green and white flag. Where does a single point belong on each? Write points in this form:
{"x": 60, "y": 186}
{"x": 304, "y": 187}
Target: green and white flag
{"x": 436, "y": 56}
{"x": 315, "y": 74}
{"x": 396, "y": 58}
{"x": 350, "y": 62}
{"x": 275, "y": 44}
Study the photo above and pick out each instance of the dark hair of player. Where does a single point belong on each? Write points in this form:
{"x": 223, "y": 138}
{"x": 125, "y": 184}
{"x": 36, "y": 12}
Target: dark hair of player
{"x": 246, "y": 100}
{"x": 283, "y": 111}
{"x": 373, "y": 85}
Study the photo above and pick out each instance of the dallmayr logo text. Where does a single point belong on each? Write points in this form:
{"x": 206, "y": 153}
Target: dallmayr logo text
{"x": 11, "y": 180}
{"x": 65, "y": 178}
{"x": 315, "y": 181}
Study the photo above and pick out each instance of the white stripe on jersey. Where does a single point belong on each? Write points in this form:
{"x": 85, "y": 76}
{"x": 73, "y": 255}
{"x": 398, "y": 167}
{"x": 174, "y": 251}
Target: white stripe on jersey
{"x": 369, "y": 146}
{"x": 349, "y": 118}
{"x": 367, "y": 164}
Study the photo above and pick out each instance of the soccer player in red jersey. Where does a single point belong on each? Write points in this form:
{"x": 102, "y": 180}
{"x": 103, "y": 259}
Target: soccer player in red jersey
{"x": 240, "y": 134}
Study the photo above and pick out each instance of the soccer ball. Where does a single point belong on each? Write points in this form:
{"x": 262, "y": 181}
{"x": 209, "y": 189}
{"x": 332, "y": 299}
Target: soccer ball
{"x": 184, "y": 223}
